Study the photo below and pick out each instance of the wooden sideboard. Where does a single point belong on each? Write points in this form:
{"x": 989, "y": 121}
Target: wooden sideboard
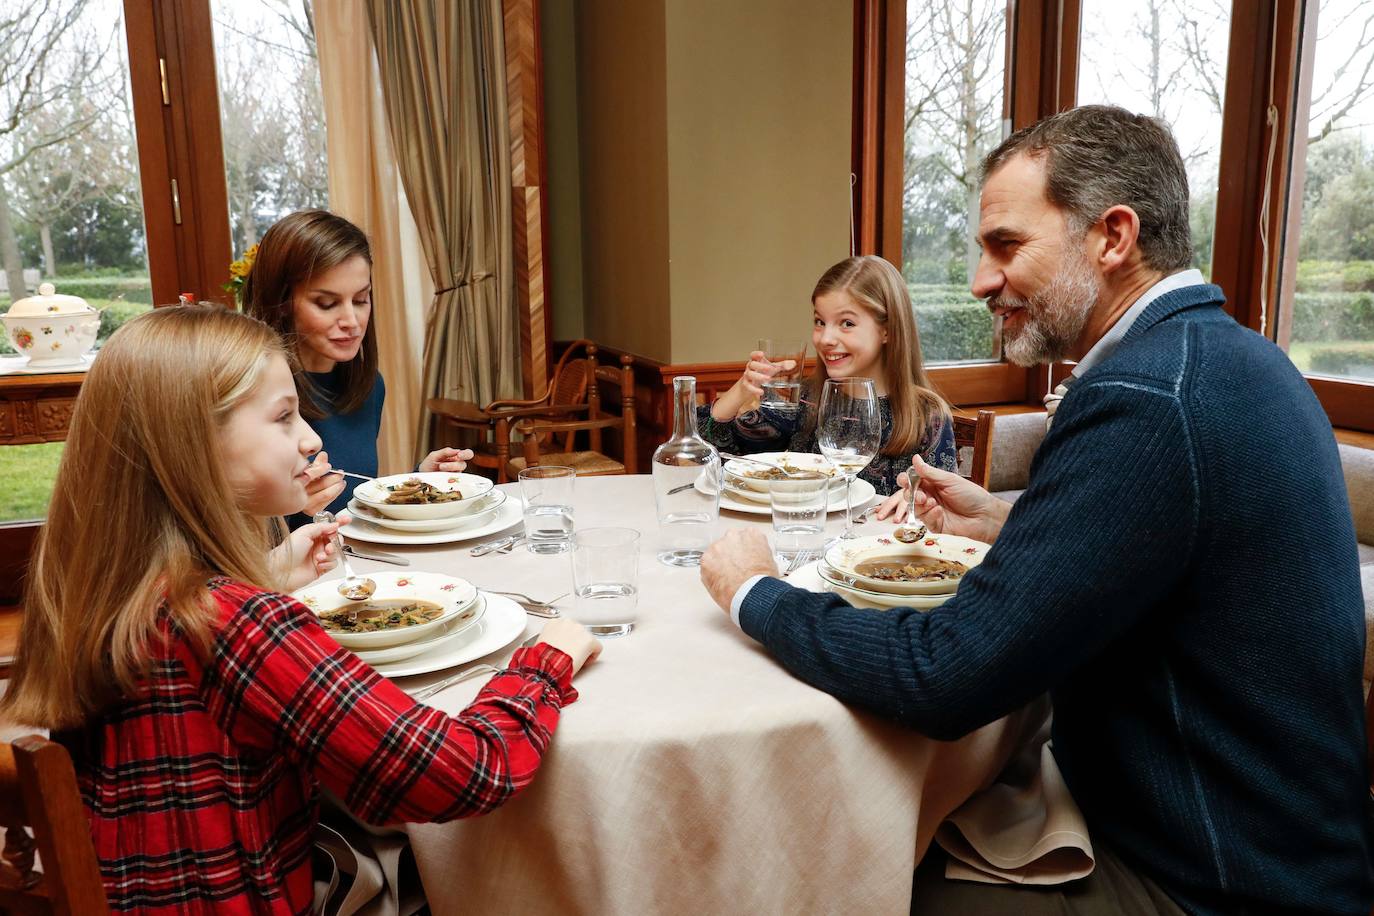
{"x": 37, "y": 408}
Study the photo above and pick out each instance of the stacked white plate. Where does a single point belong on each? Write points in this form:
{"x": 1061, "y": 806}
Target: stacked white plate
{"x": 455, "y": 605}
{"x": 868, "y": 571}
{"x": 746, "y": 484}
{"x": 482, "y": 510}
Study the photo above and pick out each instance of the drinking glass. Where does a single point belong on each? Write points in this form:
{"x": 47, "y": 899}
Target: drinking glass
{"x": 783, "y": 391}
{"x": 799, "y": 508}
{"x": 548, "y": 495}
{"x": 848, "y": 429}
{"x": 606, "y": 580}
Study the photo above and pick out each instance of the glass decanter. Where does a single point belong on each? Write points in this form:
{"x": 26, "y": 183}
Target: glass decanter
{"x": 686, "y": 472}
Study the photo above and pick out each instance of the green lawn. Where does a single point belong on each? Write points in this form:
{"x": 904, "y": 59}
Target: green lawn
{"x": 1301, "y": 353}
{"x": 27, "y": 473}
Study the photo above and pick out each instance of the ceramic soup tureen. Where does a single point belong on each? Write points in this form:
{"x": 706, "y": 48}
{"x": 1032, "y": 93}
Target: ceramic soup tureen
{"x": 51, "y": 330}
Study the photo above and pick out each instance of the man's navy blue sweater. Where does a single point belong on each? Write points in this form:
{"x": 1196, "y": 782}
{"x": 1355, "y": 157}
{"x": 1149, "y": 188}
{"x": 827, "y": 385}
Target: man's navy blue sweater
{"x": 1182, "y": 576}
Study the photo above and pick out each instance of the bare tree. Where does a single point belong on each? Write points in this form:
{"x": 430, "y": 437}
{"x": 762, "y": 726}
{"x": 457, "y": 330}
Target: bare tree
{"x": 954, "y": 99}
{"x": 1354, "y": 75}
{"x": 44, "y": 57}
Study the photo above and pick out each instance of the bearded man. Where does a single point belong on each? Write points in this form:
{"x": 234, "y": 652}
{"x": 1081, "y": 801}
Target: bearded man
{"x": 1181, "y": 573}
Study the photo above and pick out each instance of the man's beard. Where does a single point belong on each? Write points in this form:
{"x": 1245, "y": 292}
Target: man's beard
{"x": 1053, "y": 318}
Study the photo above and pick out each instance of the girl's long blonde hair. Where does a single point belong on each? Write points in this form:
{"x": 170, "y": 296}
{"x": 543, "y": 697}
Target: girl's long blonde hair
{"x": 142, "y": 515}
{"x": 878, "y": 287}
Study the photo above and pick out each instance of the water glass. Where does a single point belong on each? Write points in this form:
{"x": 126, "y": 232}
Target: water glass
{"x": 547, "y": 491}
{"x": 783, "y": 391}
{"x": 605, "y": 565}
{"x": 799, "y": 508}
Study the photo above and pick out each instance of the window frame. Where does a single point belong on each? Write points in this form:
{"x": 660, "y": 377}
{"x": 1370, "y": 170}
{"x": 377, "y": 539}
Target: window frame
{"x": 1269, "y": 40}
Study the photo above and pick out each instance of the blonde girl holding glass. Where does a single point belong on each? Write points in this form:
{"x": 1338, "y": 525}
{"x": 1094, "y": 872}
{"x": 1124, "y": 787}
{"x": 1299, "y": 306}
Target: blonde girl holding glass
{"x": 203, "y": 708}
{"x": 862, "y": 327}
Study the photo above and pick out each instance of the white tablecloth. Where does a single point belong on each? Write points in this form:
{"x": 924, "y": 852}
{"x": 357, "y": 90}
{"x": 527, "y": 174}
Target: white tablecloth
{"x": 695, "y": 775}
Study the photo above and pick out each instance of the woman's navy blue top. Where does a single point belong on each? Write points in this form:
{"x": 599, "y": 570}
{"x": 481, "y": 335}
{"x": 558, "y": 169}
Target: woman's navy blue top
{"x": 349, "y": 438}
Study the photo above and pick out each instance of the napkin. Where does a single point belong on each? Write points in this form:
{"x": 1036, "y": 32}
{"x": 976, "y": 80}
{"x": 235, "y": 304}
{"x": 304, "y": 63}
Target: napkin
{"x": 1023, "y": 829}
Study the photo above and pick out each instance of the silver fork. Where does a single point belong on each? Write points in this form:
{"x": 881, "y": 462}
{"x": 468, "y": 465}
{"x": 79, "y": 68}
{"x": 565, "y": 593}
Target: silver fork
{"x": 425, "y": 693}
{"x": 531, "y": 606}
{"x": 799, "y": 560}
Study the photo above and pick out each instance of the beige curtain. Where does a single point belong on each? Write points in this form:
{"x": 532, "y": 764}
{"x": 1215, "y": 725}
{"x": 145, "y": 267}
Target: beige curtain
{"x": 443, "y": 81}
{"x": 364, "y": 187}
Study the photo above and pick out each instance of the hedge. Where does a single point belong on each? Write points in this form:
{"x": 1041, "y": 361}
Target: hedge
{"x": 1356, "y": 362}
{"x": 953, "y": 325}
{"x": 1333, "y": 316}
{"x": 1335, "y": 276}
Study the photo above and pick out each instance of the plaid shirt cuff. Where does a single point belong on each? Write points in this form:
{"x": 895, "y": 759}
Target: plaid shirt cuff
{"x": 553, "y": 664}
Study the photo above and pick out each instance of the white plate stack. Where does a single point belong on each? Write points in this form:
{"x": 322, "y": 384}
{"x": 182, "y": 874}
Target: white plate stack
{"x": 863, "y": 570}
{"x": 480, "y": 511}
{"x": 459, "y": 606}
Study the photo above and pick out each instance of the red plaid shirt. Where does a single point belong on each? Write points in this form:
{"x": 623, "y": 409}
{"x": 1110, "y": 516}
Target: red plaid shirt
{"x": 203, "y": 792}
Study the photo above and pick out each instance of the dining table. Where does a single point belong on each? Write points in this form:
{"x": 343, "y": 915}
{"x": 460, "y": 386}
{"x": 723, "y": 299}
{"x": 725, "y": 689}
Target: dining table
{"x": 693, "y": 774}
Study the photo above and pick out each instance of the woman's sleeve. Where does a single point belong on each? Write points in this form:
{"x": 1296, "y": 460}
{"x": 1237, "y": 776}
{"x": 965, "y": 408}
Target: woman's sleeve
{"x": 277, "y": 681}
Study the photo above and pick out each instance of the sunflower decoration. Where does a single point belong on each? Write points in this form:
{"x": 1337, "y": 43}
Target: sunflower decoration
{"x": 238, "y": 273}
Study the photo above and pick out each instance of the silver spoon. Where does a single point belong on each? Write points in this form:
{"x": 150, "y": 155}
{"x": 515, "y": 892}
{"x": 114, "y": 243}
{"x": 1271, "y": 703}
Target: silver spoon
{"x": 353, "y": 587}
{"x": 906, "y": 534}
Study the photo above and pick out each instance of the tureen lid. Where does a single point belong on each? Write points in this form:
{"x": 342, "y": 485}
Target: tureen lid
{"x": 47, "y": 302}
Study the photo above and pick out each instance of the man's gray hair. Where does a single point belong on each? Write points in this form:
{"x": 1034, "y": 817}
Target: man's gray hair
{"x": 1099, "y": 156}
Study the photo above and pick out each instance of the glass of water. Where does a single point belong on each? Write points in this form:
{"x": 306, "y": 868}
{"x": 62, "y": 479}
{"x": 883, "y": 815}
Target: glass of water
{"x": 799, "y": 508}
{"x": 783, "y": 391}
{"x": 547, "y": 491}
{"x": 605, "y": 565}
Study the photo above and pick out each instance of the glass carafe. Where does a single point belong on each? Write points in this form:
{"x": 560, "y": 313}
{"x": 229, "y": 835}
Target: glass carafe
{"x": 686, "y": 483}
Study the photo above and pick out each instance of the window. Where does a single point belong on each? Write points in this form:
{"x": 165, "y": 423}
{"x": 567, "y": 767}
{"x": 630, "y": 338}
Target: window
{"x": 953, "y": 105}
{"x": 1332, "y": 320}
{"x": 1165, "y": 58}
{"x": 274, "y": 134}
{"x": 70, "y": 191}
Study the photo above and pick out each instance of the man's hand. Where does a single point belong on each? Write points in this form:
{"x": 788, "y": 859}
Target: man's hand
{"x": 742, "y": 553}
{"x": 949, "y": 504}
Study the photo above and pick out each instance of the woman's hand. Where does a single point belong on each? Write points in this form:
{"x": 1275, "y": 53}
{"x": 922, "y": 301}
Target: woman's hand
{"x": 306, "y": 554}
{"x": 451, "y": 460}
{"x": 573, "y": 639}
{"x": 749, "y": 388}
{"x": 949, "y": 504}
{"x": 323, "y": 487}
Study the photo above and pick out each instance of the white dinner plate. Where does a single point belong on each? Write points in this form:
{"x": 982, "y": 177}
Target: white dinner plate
{"x": 509, "y": 514}
{"x": 501, "y": 625}
{"x": 845, "y": 555}
{"x": 495, "y": 499}
{"x": 452, "y": 594}
{"x": 810, "y": 578}
{"x": 863, "y": 492}
{"x": 461, "y": 626}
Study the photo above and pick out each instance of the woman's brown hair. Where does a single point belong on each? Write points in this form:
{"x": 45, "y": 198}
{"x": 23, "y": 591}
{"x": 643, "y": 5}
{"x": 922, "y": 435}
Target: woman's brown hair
{"x": 297, "y": 247}
{"x": 878, "y": 288}
{"x": 141, "y": 515}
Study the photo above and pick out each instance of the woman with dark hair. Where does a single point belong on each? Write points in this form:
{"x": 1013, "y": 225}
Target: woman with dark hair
{"x": 312, "y": 282}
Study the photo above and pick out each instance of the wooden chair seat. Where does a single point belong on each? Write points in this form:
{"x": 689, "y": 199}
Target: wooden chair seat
{"x": 587, "y": 464}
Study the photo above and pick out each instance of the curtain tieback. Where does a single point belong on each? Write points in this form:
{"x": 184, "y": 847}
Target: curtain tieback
{"x": 479, "y": 275}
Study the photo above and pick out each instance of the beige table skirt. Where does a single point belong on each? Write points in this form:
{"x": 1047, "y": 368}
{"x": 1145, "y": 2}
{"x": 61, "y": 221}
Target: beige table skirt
{"x": 695, "y": 775}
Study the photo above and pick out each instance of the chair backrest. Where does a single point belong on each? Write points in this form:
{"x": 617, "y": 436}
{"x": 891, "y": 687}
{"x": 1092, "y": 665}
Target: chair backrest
{"x": 624, "y": 379}
{"x": 572, "y": 378}
{"x": 973, "y": 445}
{"x": 38, "y": 790}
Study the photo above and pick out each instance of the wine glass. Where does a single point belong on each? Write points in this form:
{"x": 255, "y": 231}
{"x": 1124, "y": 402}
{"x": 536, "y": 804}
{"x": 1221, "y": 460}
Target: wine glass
{"x": 848, "y": 429}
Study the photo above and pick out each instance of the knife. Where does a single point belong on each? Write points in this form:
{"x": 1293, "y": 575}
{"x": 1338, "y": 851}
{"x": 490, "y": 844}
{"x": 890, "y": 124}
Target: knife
{"x": 481, "y": 550}
{"x": 375, "y": 555}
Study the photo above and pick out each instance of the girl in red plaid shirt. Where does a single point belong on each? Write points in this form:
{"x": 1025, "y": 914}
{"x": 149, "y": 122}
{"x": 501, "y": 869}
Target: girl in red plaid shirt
{"x": 204, "y": 709}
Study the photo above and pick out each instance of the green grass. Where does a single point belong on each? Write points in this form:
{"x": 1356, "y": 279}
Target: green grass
{"x": 27, "y": 473}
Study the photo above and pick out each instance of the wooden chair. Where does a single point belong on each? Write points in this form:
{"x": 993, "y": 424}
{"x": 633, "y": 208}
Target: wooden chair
{"x": 973, "y": 446}
{"x": 38, "y": 790}
{"x": 567, "y": 395}
{"x": 540, "y": 434}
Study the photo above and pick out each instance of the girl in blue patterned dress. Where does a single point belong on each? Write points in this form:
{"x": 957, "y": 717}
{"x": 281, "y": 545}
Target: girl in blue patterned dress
{"x": 862, "y": 326}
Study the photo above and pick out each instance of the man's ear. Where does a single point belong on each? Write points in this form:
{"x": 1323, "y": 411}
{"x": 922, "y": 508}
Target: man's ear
{"x": 1120, "y": 228}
